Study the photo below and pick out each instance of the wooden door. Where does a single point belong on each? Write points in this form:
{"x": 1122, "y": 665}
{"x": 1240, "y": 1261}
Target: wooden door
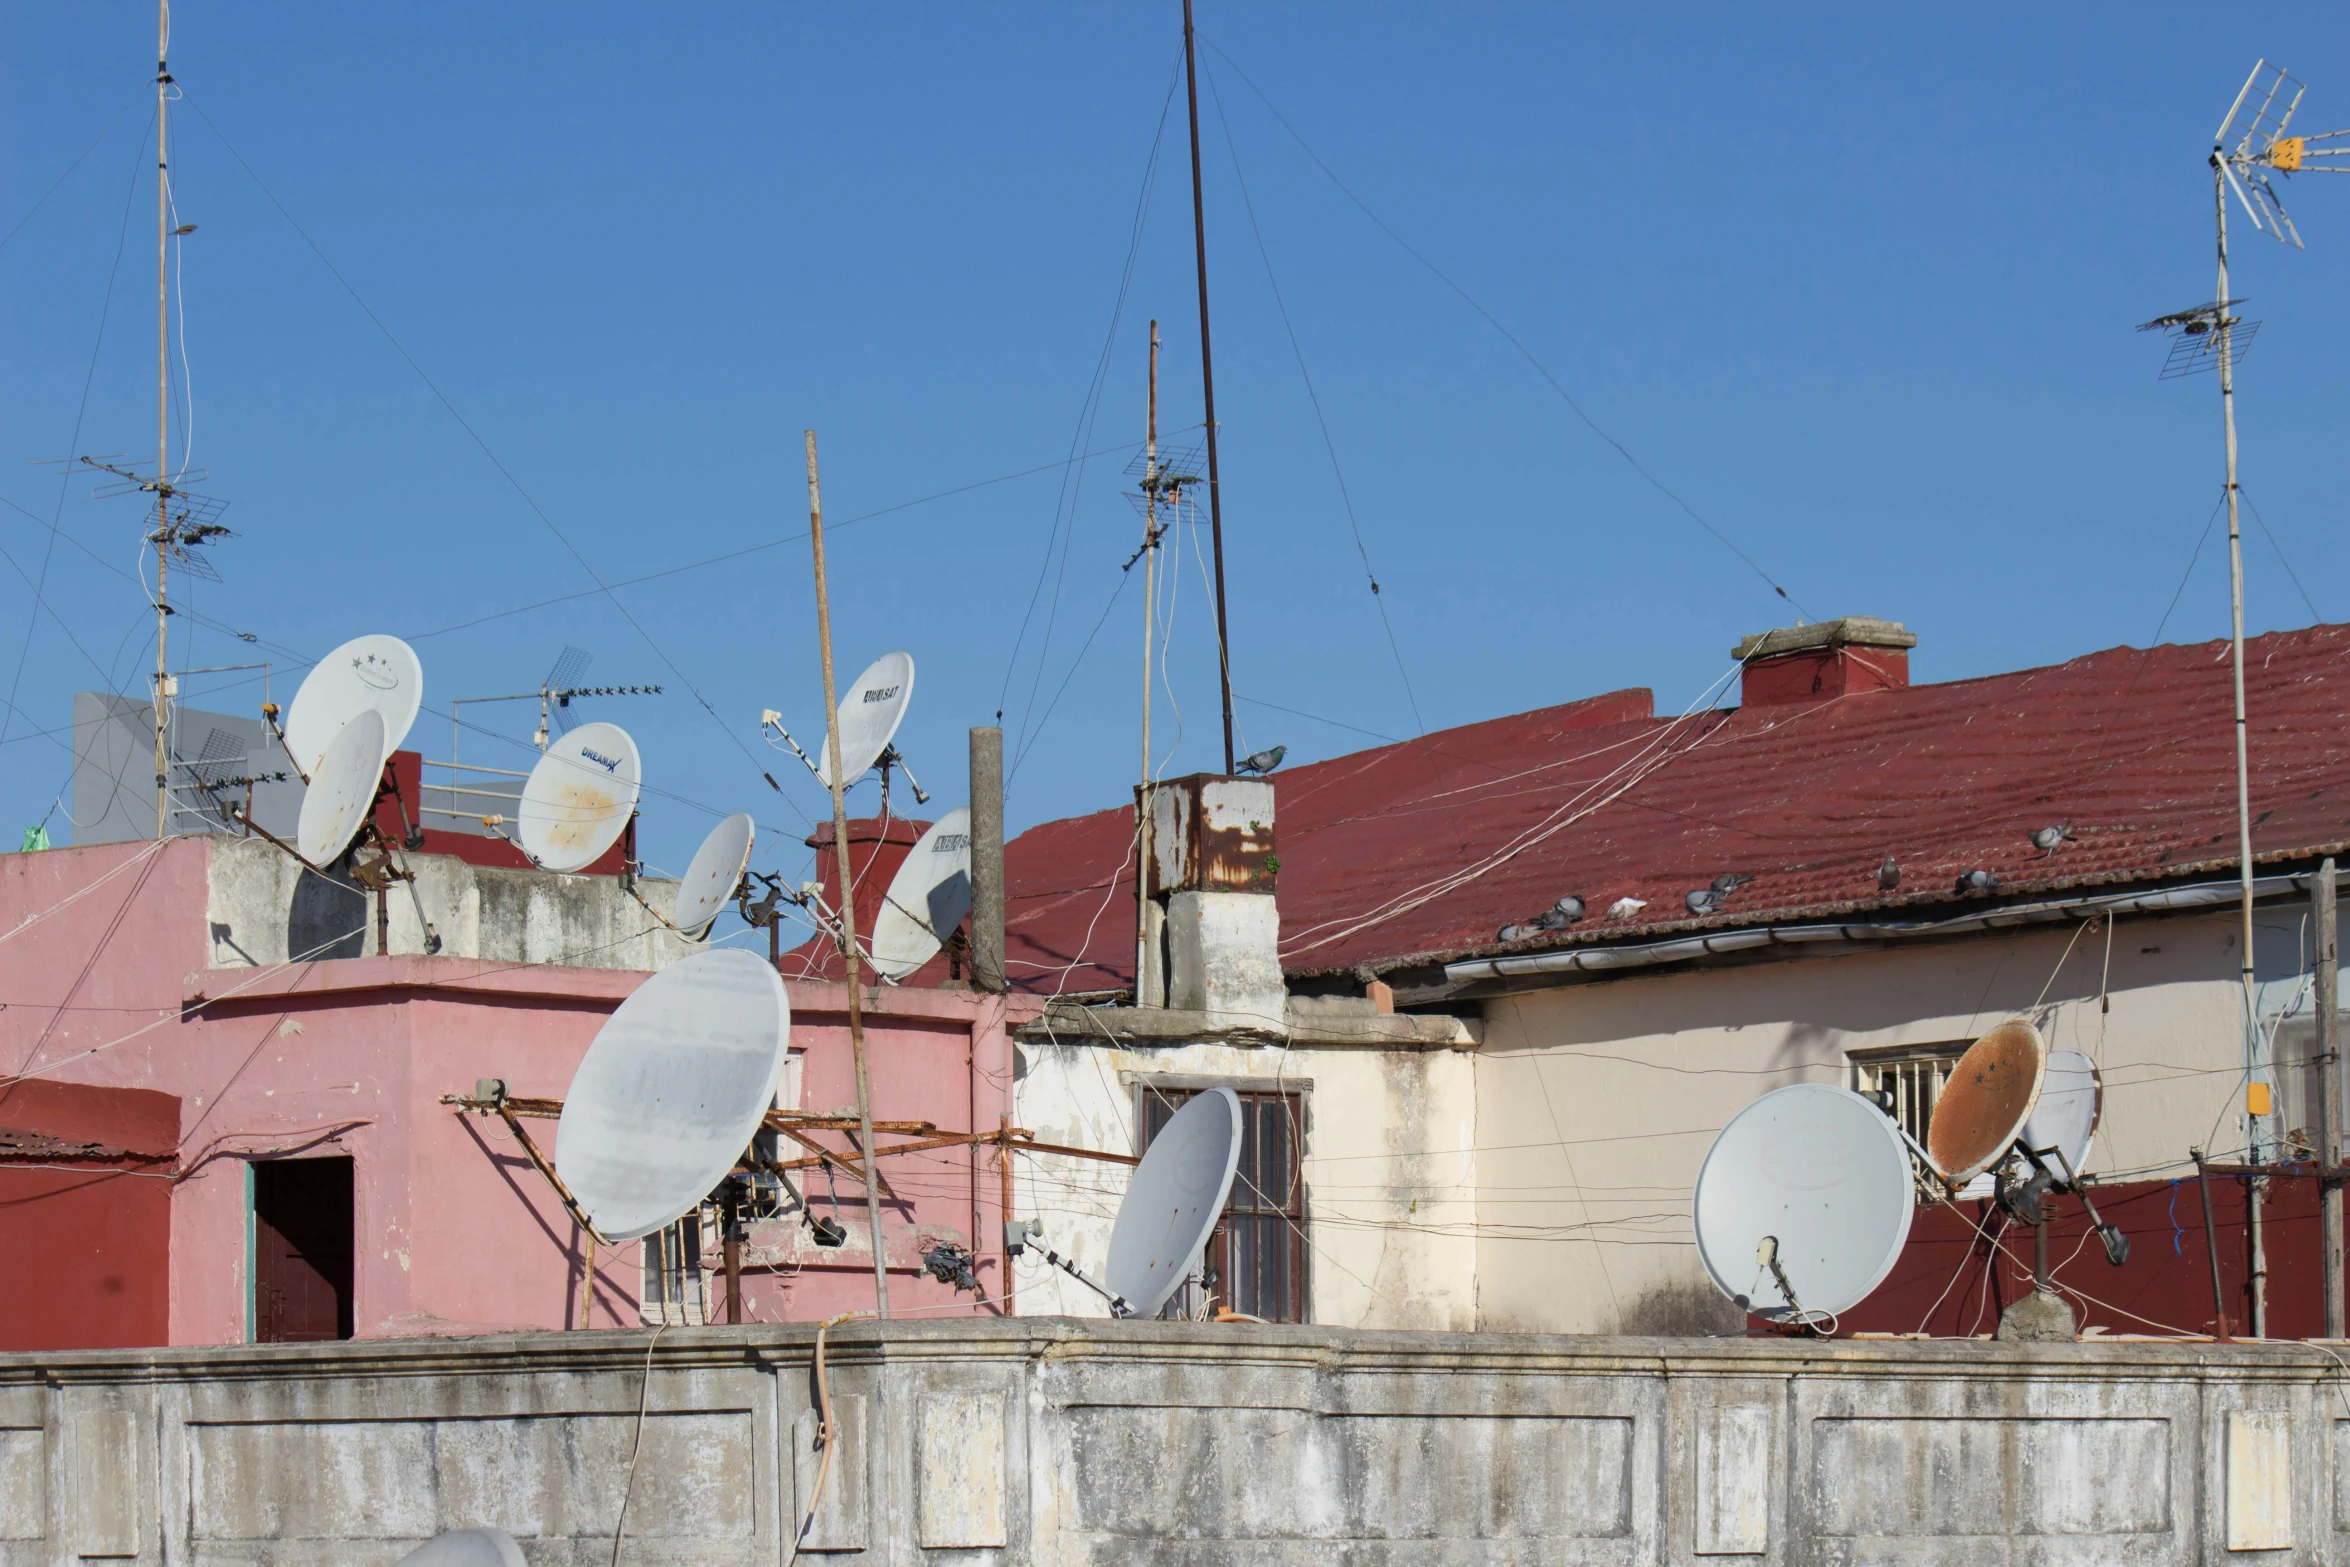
{"x": 302, "y": 1248}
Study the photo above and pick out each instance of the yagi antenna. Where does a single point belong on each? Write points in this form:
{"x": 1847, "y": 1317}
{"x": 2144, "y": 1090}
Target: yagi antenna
{"x": 2253, "y": 142}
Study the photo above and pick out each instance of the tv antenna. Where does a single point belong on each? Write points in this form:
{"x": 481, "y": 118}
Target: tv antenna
{"x": 2252, "y": 143}
{"x": 1163, "y": 497}
{"x": 554, "y": 697}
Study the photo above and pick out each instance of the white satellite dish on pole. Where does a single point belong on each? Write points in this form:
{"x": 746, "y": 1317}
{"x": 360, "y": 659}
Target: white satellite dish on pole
{"x": 671, "y": 1092}
{"x": 1803, "y": 1203}
{"x": 378, "y": 673}
{"x": 1174, "y": 1200}
{"x": 927, "y": 898}
{"x": 870, "y": 712}
{"x": 2072, "y": 1099}
{"x": 342, "y": 789}
{"x": 717, "y": 869}
{"x": 578, "y": 799}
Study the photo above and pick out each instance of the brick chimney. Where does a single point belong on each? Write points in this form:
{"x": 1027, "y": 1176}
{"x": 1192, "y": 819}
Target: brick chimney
{"x": 876, "y": 850}
{"x": 1828, "y": 658}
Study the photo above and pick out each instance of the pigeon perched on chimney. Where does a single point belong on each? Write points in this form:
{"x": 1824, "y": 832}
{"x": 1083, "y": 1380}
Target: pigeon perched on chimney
{"x": 1261, "y": 761}
{"x": 1978, "y": 881}
{"x": 1888, "y": 875}
{"x": 2047, "y": 838}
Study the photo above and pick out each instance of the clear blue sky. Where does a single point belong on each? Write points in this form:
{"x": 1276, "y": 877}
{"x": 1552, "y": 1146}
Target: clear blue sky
{"x": 1858, "y": 285}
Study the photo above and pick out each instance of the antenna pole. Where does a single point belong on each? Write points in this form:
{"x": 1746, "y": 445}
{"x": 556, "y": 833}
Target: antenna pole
{"x": 1207, "y": 376}
{"x": 1150, "y": 606}
{"x": 848, "y": 895}
{"x": 2329, "y": 1091}
{"x": 2227, "y": 400}
{"x": 162, "y": 412}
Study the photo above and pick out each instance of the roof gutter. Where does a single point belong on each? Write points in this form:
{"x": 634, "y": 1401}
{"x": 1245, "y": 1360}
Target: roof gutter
{"x": 1587, "y": 960}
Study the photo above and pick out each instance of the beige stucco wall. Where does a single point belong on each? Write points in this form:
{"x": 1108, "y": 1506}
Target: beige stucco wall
{"x": 1596, "y": 1102}
{"x": 1390, "y": 1169}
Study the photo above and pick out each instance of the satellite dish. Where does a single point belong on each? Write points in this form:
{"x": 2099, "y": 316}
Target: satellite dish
{"x": 342, "y": 789}
{"x": 579, "y": 797}
{"x": 1824, "y": 1174}
{"x": 672, "y": 1090}
{"x": 1174, "y": 1200}
{"x": 1982, "y": 1109}
{"x": 466, "y": 1548}
{"x": 379, "y": 673}
{"x": 2072, "y": 1098}
{"x": 870, "y": 712}
{"x": 717, "y": 869}
{"x": 927, "y": 898}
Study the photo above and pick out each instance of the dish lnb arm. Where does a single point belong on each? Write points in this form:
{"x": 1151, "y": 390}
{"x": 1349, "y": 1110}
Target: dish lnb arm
{"x": 771, "y": 719}
{"x": 1020, "y": 1234}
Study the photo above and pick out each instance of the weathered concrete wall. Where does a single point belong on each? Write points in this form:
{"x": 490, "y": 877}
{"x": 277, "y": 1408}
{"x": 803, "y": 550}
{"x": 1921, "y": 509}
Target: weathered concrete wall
{"x": 1061, "y": 1442}
{"x": 1391, "y": 1165}
{"x": 263, "y": 908}
{"x": 1596, "y": 1102}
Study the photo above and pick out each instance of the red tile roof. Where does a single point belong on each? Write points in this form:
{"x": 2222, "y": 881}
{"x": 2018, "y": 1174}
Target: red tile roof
{"x": 1421, "y": 852}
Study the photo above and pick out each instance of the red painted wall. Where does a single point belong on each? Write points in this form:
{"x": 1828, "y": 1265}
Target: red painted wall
{"x": 87, "y": 1230}
{"x": 1951, "y": 1282}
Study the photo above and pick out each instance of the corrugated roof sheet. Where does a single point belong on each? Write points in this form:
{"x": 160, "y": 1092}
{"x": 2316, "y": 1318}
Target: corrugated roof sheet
{"x": 1422, "y": 851}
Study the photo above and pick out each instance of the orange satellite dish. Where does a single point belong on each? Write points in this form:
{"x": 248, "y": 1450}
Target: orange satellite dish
{"x": 1990, "y": 1095}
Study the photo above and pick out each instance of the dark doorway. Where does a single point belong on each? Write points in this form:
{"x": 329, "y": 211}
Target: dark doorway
{"x": 1256, "y": 1256}
{"x": 302, "y": 1230}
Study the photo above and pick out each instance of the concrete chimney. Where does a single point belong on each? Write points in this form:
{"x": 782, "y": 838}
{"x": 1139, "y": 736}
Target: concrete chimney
{"x": 1829, "y": 658}
{"x": 1212, "y": 928}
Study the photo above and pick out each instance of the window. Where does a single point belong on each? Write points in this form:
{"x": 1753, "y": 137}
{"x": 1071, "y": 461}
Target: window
{"x": 673, "y": 1275}
{"x": 1912, "y": 1077}
{"x": 1256, "y": 1256}
{"x": 302, "y": 1249}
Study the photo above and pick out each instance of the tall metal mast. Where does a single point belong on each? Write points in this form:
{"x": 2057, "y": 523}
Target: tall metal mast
{"x": 1150, "y": 609}
{"x": 1207, "y": 374}
{"x": 162, "y": 412}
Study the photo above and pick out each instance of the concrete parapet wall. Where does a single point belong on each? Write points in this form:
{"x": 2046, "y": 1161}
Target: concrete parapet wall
{"x": 1064, "y": 1442}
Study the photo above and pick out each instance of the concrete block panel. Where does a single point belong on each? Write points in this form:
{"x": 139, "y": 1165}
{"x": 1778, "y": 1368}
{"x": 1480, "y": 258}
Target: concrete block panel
{"x": 1940, "y": 1478}
{"x": 24, "y": 1483}
{"x": 1736, "y": 1463}
{"x": 960, "y": 1479}
{"x": 534, "y": 1477}
{"x": 842, "y": 1521}
{"x": 2260, "y": 1480}
{"x": 102, "y": 1446}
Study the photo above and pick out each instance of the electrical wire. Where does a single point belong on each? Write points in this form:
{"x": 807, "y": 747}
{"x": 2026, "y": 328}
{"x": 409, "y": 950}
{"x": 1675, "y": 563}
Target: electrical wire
{"x": 1507, "y": 336}
{"x": 1314, "y": 397}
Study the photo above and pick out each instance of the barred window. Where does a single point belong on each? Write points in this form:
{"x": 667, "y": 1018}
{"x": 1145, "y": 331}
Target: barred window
{"x": 1256, "y": 1256}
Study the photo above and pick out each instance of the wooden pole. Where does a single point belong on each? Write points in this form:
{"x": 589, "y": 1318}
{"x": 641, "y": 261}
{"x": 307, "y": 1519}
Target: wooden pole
{"x": 1207, "y": 376}
{"x": 162, "y": 414}
{"x": 848, "y": 895}
{"x": 2329, "y": 1089}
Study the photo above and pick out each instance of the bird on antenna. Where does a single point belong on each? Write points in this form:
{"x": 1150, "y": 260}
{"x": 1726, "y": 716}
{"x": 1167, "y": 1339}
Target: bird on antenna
{"x": 2047, "y": 838}
{"x": 1888, "y": 875}
{"x": 1261, "y": 761}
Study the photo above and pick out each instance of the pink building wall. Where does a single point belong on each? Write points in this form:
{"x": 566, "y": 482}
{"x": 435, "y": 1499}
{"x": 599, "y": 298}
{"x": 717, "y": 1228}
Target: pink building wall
{"x": 104, "y": 979}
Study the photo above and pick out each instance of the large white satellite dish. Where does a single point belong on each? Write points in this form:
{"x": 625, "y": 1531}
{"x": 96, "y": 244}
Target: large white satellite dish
{"x": 579, "y": 797}
{"x": 342, "y": 789}
{"x": 717, "y": 869}
{"x": 870, "y": 712}
{"x": 1824, "y": 1173}
{"x": 670, "y": 1093}
{"x": 373, "y": 672}
{"x": 1174, "y": 1200}
{"x": 2065, "y": 1117}
{"x": 927, "y": 898}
